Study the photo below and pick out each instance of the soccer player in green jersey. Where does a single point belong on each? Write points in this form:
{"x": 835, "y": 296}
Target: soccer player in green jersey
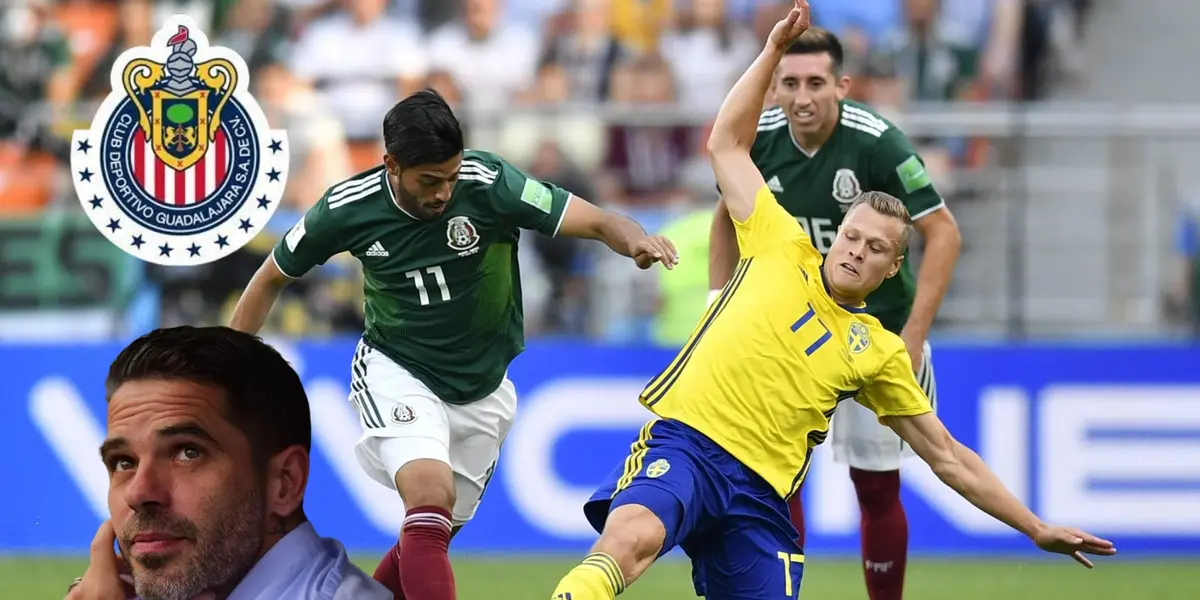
{"x": 818, "y": 153}
{"x": 436, "y": 229}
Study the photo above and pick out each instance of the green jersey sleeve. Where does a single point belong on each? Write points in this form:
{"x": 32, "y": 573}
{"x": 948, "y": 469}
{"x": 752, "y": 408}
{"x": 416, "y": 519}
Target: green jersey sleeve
{"x": 528, "y": 203}
{"x": 898, "y": 170}
{"x": 310, "y": 242}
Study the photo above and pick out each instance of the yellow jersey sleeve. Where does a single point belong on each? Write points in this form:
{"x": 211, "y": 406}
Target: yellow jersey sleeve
{"x": 893, "y": 391}
{"x": 769, "y": 227}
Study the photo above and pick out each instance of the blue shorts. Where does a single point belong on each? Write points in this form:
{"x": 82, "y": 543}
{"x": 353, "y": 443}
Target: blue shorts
{"x": 728, "y": 520}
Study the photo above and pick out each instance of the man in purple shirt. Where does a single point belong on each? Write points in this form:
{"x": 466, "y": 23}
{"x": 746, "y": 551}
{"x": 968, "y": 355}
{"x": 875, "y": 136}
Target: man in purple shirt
{"x": 207, "y": 452}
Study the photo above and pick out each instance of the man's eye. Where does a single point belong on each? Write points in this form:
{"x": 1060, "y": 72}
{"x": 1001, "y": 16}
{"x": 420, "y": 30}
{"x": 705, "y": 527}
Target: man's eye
{"x": 190, "y": 453}
{"x": 119, "y": 464}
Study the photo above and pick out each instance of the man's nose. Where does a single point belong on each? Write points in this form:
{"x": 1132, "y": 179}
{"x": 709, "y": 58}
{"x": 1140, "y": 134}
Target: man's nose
{"x": 149, "y": 487}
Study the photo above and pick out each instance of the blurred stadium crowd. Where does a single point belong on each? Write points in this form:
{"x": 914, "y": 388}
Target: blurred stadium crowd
{"x": 607, "y": 98}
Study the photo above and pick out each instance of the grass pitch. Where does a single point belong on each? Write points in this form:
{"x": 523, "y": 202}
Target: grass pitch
{"x": 31, "y": 578}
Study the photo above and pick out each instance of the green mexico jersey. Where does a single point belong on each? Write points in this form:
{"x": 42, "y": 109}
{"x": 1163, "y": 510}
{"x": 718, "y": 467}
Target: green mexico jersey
{"x": 865, "y": 153}
{"x": 443, "y": 297}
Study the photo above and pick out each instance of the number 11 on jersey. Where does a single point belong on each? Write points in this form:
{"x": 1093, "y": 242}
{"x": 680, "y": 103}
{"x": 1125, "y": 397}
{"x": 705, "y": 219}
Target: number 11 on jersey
{"x": 419, "y": 282}
{"x": 803, "y": 320}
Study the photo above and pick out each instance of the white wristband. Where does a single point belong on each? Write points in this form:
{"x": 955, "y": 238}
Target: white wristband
{"x": 712, "y": 296}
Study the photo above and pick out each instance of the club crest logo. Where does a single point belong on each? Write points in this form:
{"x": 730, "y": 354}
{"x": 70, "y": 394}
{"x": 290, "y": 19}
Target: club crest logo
{"x": 461, "y": 234}
{"x": 846, "y": 188}
{"x": 179, "y": 166}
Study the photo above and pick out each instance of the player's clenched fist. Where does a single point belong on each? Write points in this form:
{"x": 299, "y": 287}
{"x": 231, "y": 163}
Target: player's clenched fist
{"x": 1076, "y": 543}
{"x": 652, "y": 249}
{"x": 102, "y": 580}
{"x": 792, "y": 26}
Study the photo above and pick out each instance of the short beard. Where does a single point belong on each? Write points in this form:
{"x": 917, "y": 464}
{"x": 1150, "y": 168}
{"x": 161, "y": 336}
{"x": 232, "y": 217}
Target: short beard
{"x": 222, "y": 556}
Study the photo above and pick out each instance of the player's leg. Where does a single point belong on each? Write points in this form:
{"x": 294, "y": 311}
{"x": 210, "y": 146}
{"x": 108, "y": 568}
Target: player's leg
{"x": 477, "y": 431}
{"x": 405, "y": 446}
{"x": 658, "y": 498}
{"x": 634, "y": 536}
{"x": 752, "y": 554}
{"x": 873, "y": 453}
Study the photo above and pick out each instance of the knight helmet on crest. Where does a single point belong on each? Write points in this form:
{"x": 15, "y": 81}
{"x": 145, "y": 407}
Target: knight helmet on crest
{"x": 179, "y": 102}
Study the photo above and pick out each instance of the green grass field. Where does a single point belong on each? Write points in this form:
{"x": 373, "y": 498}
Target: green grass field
{"x": 534, "y": 579}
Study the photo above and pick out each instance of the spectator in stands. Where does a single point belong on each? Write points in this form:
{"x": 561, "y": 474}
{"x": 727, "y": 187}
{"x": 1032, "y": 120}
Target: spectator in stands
{"x": 316, "y": 139}
{"x": 586, "y": 51}
{"x": 207, "y": 454}
{"x": 917, "y": 62}
{"x": 683, "y": 291}
{"x": 559, "y": 299}
{"x": 493, "y": 60}
{"x": 707, "y": 53}
{"x": 134, "y": 26}
{"x": 551, "y": 86}
{"x": 360, "y": 61}
{"x": 645, "y": 161}
{"x": 637, "y": 24}
{"x": 858, "y": 25}
{"x": 444, "y": 83}
{"x": 36, "y": 91}
{"x": 257, "y": 30}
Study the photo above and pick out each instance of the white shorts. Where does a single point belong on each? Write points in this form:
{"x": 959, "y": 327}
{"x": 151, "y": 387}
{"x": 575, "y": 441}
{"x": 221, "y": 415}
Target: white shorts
{"x": 404, "y": 421}
{"x": 861, "y": 441}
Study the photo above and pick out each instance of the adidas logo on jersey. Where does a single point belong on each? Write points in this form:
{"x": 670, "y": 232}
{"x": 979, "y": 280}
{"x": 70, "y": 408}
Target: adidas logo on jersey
{"x": 377, "y": 249}
{"x": 774, "y": 185}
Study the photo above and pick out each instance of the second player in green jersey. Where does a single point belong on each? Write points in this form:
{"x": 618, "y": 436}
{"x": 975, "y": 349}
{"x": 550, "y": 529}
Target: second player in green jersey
{"x": 436, "y": 229}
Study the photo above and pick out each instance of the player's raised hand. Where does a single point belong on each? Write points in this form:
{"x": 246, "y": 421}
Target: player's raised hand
{"x": 652, "y": 249}
{"x": 792, "y": 26}
{"x": 103, "y": 579}
{"x": 1073, "y": 542}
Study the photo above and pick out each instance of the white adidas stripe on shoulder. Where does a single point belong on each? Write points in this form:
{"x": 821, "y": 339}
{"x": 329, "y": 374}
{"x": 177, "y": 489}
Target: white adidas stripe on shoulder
{"x": 352, "y": 183}
{"x": 771, "y": 115}
{"x": 355, "y": 196}
{"x": 355, "y": 189}
{"x": 773, "y": 126}
{"x": 865, "y": 117}
{"x": 473, "y": 170}
{"x": 474, "y": 166}
{"x": 863, "y": 128}
{"x": 855, "y": 121}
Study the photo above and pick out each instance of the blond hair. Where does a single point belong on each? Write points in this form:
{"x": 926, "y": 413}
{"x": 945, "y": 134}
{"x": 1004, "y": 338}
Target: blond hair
{"x": 888, "y": 206}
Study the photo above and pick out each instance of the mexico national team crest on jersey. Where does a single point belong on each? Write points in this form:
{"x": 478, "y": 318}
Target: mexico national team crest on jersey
{"x": 462, "y": 236}
{"x": 179, "y": 166}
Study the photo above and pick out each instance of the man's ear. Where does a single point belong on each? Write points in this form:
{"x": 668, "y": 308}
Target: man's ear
{"x": 287, "y": 479}
{"x": 895, "y": 266}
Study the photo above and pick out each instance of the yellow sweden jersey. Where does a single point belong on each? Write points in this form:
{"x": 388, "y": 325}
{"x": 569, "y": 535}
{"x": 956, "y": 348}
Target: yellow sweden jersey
{"x": 774, "y": 354}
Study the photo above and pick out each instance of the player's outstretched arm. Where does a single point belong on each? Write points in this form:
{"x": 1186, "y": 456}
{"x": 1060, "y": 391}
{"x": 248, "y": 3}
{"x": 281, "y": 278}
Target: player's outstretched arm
{"x": 583, "y": 219}
{"x": 736, "y": 124}
{"x": 258, "y": 298}
{"x": 961, "y": 469}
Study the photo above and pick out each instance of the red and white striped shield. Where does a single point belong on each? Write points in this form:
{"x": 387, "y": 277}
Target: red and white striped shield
{"x": 180, "y": 187}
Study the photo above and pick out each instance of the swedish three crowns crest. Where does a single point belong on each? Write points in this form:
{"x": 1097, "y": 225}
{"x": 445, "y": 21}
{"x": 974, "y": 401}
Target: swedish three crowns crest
{"x": 179, "y": 166}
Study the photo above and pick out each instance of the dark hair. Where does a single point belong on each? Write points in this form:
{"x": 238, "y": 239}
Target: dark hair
{"x": 421, "y": 130}
{"x": 264, "y": 397}
{"x": 820, "y": 41}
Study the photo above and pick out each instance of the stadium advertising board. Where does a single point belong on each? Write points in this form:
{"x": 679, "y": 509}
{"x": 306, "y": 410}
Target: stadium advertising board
{"x": 1107, "y": 438}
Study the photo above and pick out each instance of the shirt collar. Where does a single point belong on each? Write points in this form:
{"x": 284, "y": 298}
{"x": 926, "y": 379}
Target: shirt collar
{"x": 286, "y": 559}
{"x": 861, "y": 308}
